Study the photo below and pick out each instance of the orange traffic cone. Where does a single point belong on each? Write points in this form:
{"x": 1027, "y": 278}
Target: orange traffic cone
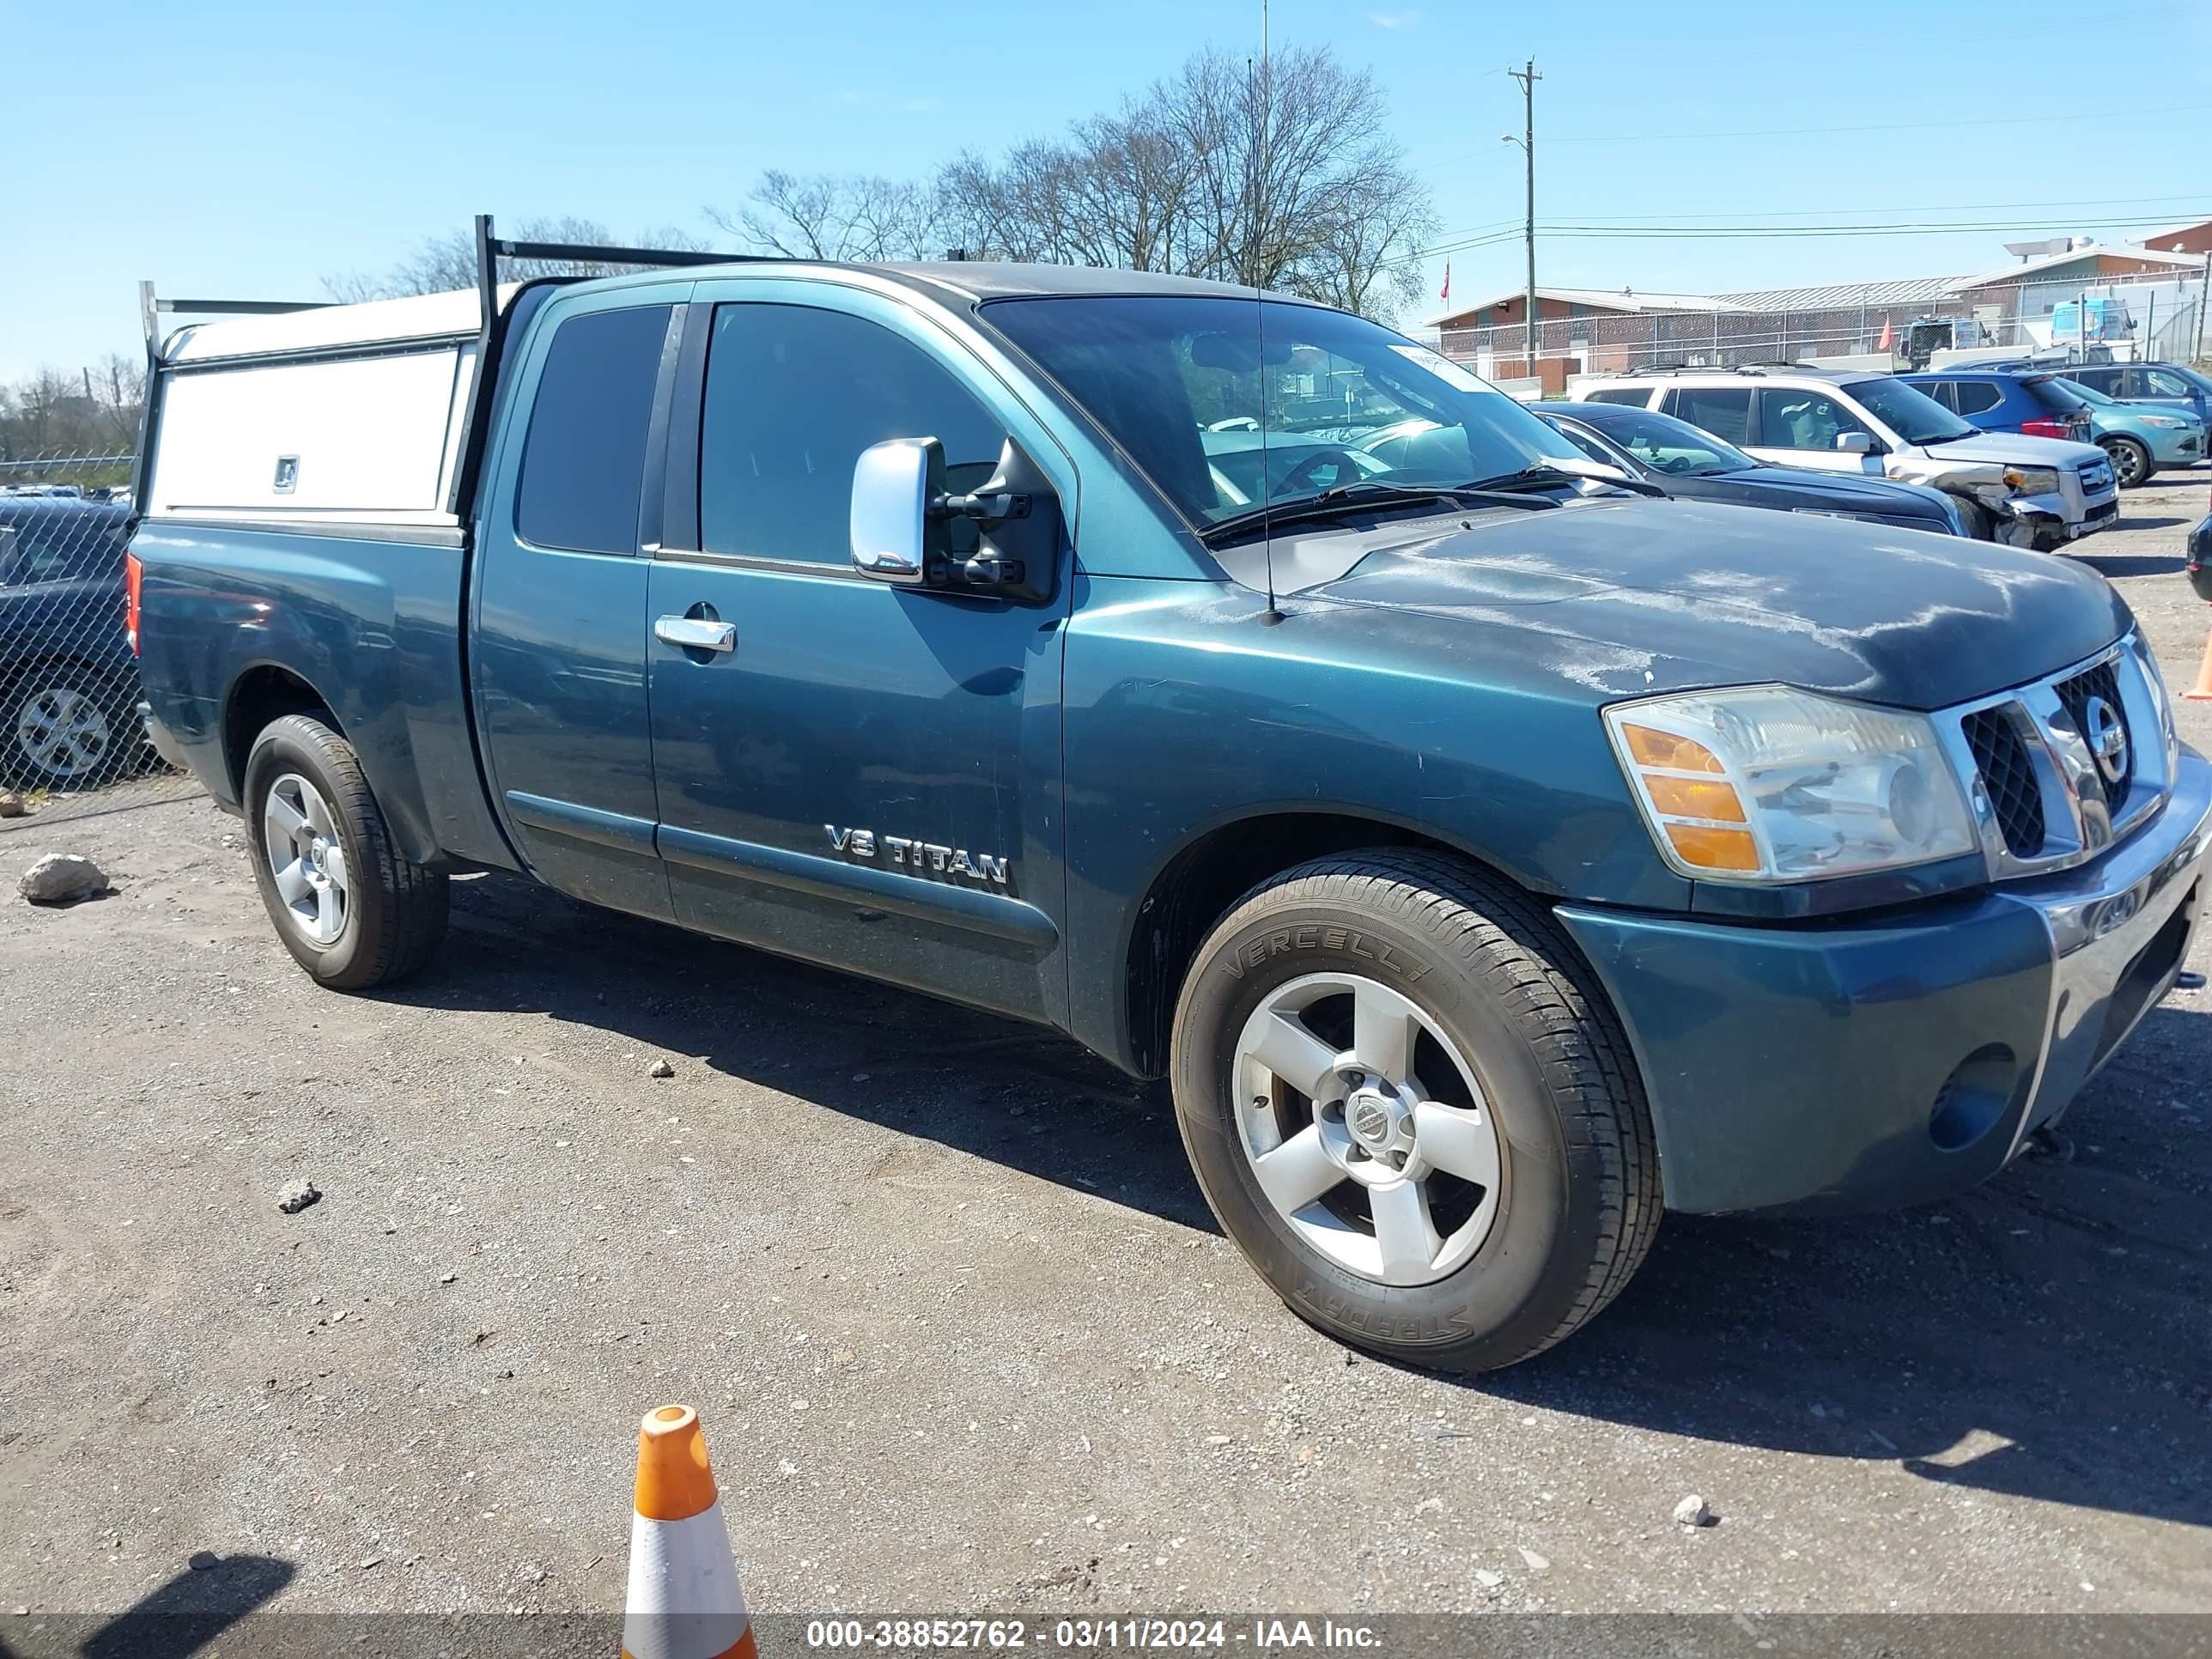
{"x": 683, "y": 1600}
{"x": 2202, "y": 691}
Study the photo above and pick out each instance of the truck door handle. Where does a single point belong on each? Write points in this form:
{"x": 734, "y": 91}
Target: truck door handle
{"x": 697, "y": 633}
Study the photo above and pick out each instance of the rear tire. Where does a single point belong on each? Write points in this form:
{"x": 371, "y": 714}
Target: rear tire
{"x": 1557, "y": 1218}
{"x": 2132, "y": 461}
{"x": 349, "y": 907}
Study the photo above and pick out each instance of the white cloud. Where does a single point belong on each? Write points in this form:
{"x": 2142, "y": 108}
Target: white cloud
{"x": 1394, "y": 20}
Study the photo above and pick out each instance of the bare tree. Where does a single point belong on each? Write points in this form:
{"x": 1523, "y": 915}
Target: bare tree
{"x": 92, "y": 410}
{"x": 447, "y": 262}
{"x": 828, "y": 216}
{"x": 1278, "y": 175}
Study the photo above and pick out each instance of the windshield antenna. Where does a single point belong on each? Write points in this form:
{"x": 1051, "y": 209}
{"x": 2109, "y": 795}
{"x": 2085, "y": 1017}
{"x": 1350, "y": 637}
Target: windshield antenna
{"x": 1271, "y": 615}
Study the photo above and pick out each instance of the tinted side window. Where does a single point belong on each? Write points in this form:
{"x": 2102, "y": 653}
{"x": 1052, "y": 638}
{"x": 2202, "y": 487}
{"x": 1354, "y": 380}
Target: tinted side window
{"x": 1794, "y": 418}
{"x": 1943, "y": 391}
{"x": 793, "y": 395}
{"x": 52, "y": 547}
{"x": 583, "y": 458}
{"x": 1635, "y": 396}
{"x": 1723, "y": 410}
{"x": 1975, "y": 397}
{"x": 2163, "y": 384}
{"x": 2106, "y": 380}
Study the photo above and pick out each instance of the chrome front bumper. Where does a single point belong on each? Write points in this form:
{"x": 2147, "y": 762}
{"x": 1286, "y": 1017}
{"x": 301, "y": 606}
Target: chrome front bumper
{"x": 2120, "y": 929}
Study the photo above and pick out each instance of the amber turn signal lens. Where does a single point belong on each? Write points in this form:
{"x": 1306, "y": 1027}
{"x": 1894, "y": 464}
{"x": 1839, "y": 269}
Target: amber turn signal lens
{"x": 1714, "y": 849}
{"x": 1652, "y": 747}
{"x": 1694, "y": 797}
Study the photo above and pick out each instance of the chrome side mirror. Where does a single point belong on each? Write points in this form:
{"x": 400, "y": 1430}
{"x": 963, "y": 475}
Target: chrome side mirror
{"x": 894, "y": 484}
{"x": 1855, "y": 443}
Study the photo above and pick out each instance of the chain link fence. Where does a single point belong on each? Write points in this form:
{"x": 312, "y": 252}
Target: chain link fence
{"x": 70, "y": 739}
{"x": 2148, "y": 321}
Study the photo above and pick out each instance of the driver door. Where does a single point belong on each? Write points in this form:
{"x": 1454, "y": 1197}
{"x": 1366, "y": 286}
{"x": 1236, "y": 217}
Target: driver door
{"x": 864, "y": 774}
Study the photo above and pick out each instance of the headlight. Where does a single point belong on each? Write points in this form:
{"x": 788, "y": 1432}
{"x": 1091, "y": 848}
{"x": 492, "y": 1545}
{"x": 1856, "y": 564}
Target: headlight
{"x": 2032, "y": 480}
{"x": 1764, "y": 784}
{"x": 2165, "y": 421}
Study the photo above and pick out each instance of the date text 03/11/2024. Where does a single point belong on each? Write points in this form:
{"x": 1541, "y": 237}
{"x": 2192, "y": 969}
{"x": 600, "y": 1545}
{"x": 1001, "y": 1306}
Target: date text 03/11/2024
{"x": 1084, "y": 1635}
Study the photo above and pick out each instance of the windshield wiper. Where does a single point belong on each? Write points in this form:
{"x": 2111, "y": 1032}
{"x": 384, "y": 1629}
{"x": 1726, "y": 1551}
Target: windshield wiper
{"x": 1342, "y": 499}
{"x": 1551, "y": 478}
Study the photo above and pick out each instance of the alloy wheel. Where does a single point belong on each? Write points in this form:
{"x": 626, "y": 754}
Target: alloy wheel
{"x": 307, "y": 858}
{"x": 1366, "y": 1129}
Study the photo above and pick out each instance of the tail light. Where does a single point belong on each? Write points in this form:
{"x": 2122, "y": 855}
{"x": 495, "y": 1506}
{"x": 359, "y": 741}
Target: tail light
{"x": 133, "y": 572}
{"x": 2046, "y": 428}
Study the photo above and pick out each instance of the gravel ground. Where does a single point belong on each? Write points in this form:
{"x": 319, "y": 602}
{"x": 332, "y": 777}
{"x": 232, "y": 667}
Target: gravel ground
{"x": 963, "y": 1334}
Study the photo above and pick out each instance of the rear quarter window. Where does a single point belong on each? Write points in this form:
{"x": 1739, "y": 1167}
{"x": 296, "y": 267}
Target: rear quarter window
{"x": 1723, "y": 410}
{"x": 583, "y": 456}
{"x": 1974, "y": 396}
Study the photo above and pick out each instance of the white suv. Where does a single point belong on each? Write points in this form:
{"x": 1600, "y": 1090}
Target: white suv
{"x": 2031, "y": 492}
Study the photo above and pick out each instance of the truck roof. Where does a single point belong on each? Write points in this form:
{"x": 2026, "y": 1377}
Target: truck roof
{"x": 456, "y": 315}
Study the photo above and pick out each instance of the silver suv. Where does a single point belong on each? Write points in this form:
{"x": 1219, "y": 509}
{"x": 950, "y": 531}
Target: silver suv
{"x": 2041, "y": 493}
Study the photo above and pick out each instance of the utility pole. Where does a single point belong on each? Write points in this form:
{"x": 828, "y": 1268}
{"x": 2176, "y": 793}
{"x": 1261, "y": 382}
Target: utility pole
{"x": 1528, "y": 77}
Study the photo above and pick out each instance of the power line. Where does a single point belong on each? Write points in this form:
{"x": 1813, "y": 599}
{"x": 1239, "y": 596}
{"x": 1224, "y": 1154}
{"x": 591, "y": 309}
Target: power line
{"x": 1792, "y": 132}
{"x": 1596, "y": 230}
{"x": 2052, "y": 208}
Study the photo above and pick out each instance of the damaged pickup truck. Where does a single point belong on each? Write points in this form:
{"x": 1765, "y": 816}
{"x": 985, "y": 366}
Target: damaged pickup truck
{"x": 1491, "y": 857}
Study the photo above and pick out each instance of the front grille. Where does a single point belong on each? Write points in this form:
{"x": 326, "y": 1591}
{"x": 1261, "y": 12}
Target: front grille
{"x": 2097, "y": 476}
{"x": 2102, "y": 511}
{"x": 2009, "y": 777}
{"x": 2101, "y": 681}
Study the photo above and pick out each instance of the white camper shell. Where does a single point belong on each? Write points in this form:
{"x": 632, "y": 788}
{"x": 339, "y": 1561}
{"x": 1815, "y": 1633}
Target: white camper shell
{"x": 348, "y": 414}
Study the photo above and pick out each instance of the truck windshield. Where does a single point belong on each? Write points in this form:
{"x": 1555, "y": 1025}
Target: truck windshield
{"x": 1910, "y": 412}
{"x": 1221, "y": 422}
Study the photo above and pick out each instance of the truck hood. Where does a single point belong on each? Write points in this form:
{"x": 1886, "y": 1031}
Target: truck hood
{"x": 2015, "y": 448}
{"x": 1612, "y": 599}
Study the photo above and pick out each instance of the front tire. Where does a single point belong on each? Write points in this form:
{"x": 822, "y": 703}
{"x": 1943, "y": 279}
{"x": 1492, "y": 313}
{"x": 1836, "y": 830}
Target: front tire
{"x": 2132, "y": 461}
{"x": 1409, "y": 1103}
{"x": 349, "y": 907}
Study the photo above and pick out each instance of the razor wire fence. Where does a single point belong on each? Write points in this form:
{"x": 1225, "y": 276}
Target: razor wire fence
{"x": 71, "y": 740}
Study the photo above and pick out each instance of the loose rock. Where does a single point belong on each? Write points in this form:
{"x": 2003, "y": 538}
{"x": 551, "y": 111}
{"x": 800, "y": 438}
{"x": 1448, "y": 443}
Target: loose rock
{"x": 1536, "y": 1563}
{"x": 1691, "y": 1512}
{"x": 297, "y": 1196}
{"x": 11, "y": 803}
{"x": 660, "y": 1068}
{"x": 1488, "y": 1579}
{"x": 63, "y": 879}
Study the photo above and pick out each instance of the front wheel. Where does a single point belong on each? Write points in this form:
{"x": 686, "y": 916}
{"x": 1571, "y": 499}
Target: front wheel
{"x": 69, "y": 727}
{"x": 1410, "y": 1106}
{"x": 349, "y": 907}
{"x": 2132, "y": 461}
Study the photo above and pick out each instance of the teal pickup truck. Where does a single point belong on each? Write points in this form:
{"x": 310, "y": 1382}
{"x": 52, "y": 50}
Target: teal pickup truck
{"x": 1491, "y": 855}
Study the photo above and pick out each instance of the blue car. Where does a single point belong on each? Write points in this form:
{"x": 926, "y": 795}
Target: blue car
{"x": 2149, "y": 383}
{"x": 2035, "y": 403}
{"x": 69, "y": 686}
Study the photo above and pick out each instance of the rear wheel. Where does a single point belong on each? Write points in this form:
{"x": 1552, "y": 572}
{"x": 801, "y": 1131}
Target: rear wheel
{"x": 2130, "y": 459}
{"x": 1411, "y": 1108}
{"x": 349, "y": 907}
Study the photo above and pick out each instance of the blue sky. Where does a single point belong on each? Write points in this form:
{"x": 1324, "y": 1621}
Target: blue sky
{"x": 248, "y": 149}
